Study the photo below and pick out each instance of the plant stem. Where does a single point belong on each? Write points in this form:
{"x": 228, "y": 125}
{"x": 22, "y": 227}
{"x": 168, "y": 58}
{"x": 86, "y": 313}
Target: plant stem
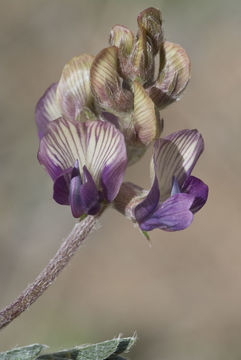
{"x": 49, "y": 273}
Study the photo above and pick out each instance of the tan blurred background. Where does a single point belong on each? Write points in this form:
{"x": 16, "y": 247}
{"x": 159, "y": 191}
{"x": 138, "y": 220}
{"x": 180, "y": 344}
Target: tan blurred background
{"x": 182, "y": 295}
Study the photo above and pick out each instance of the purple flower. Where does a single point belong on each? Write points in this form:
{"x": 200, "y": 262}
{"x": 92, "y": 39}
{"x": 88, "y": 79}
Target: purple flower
{"x": 104, "y": 112}
{"x": 86, "y": 161}
{"x": 175, "y": 195}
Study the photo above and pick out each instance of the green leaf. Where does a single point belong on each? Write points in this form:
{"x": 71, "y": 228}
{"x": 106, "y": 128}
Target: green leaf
{"x": 23, "y": 353}
{"x": 145, "y": 233}
{"x": 107, "y": 350}
{"x": 102, "y": 351}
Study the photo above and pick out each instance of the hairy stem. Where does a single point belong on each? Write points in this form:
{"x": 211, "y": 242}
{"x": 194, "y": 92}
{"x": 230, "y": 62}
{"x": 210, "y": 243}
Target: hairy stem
{"x": 49, "y": 273}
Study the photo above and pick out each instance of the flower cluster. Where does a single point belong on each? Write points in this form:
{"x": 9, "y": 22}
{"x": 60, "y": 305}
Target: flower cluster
{"x": 102, "y": 115}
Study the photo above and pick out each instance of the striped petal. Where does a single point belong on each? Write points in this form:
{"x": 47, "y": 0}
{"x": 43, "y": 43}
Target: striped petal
{"x": 176, "y": 155}
{"x": 97, "y": 145}
{"x": 146, "y": 119}
{"x": 172, "y": 215}
{"x": 106, "y": 83}
{"x": 123, "y": 38}
{"x": 142, "y": 59}
{"x": 73, "y": 91}
{"x": 174, "y": 75}
{"x": 150, "y": 20}
{"x": 47, "y": 109}
{"x": 149, "y": 39}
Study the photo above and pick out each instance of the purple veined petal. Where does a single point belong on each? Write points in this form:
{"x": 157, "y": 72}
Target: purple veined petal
{"x": 146, "y": 208}
{"x": 106, "y": 157}
{"x": 105, "y": 149}
{"x": 55, "y": 148}
{"x": 98, "y": 145}
{"x": 116, "y": 161}
{"x": 172, "y": 215}
{"x": 198, "y": 189}
{"x": 176, "y": 155}
{"x": 47, "y": 110}
{"x": 61, "y": 188}
{"x": 73, "y": 90}
{"x": 83, "y": 195}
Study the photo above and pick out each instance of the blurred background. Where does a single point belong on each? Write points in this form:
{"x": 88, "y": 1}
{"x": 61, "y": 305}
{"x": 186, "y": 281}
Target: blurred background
{"x": 183, "y": 294}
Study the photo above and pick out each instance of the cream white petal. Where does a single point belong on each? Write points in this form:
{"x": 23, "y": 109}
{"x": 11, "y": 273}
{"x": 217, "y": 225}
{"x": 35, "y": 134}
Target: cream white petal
{"x": 73, "y": 91}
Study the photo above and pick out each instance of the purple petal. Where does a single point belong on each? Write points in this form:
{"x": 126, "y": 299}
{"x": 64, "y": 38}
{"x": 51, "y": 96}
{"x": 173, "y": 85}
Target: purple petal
{"x": 61, "y": 188}
{"x": 75, "y": 171}
{"x": 96, "y": 144}
{"x": 175, "y": 186}
{"x": 148, "y": 206}
{"x": 176, "y": 155}
{"x": 198, "y": 189}
{"x": 47, "y": 110}
{"x": 89, "y": 193}
{"x": 111, "y": 179}
{"x": 84, "y": 197}
{"x": 75, "y": 197}
{"x": 172, "y": 215}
